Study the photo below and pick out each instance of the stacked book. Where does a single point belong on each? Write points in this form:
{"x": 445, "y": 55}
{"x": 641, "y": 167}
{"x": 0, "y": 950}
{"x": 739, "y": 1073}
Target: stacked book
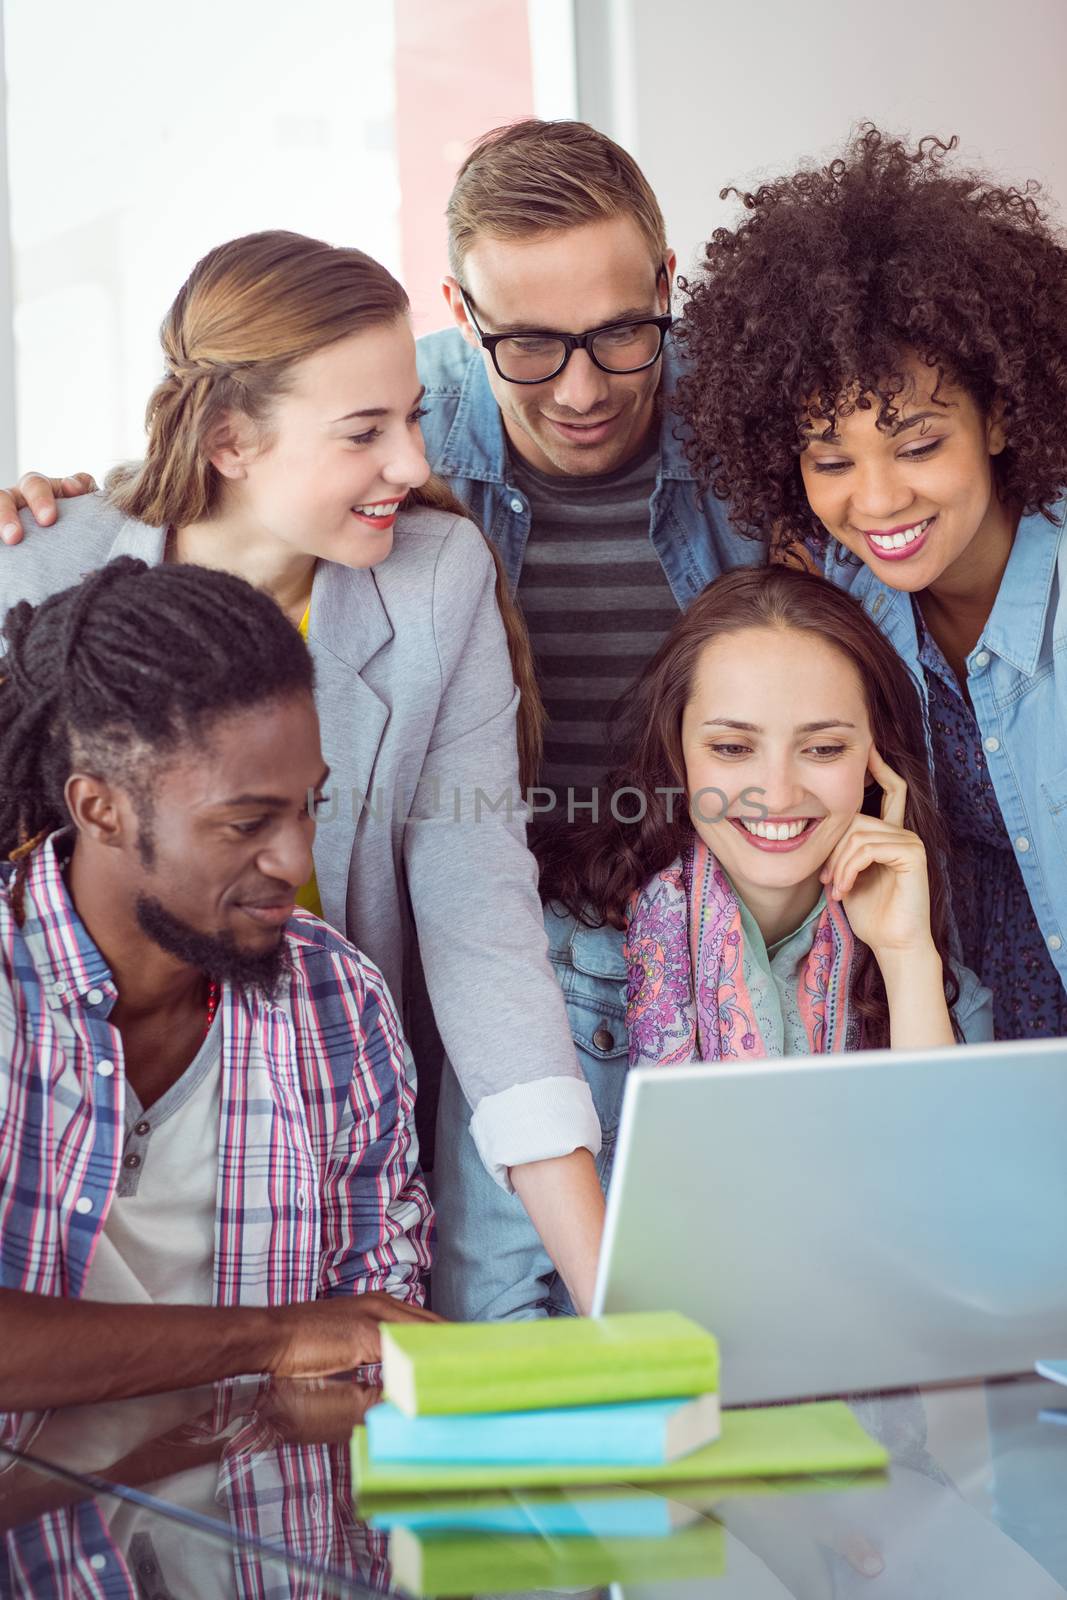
{"x": 634, "y": 1390}
{"x": 630, "y": 1398}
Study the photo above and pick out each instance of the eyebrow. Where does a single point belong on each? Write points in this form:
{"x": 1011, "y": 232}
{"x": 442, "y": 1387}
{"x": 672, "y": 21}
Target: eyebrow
{"x": 377, "y": 411}
{"x": 269, "y": 802}
{"x": 833, "y": 437}
{"x": 630, "y": 314}
{"x": 752, "y": 727}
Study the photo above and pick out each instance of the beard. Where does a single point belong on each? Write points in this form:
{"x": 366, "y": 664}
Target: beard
{"x": 217, "y": 955}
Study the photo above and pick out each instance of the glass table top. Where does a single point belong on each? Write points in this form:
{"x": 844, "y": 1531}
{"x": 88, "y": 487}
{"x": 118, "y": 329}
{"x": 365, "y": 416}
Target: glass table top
{"x": 244, "y": 1489}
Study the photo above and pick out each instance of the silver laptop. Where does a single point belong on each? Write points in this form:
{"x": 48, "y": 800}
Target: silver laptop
{"x": 874, "y": 1220}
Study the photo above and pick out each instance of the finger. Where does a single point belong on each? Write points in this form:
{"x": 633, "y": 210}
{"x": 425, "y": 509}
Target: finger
{"x": 10, "y": 526}
{"x": 830, "y": 864}
{"x": 862, "y": 827}
{"x": 40, "y": 495}
{"x": 862, "y": 1556}
{"x": 894, "y": 789}
{"x": 891, "y": 850}
{"x": 388, "y": 1310}
{"x": 77, "y": 484}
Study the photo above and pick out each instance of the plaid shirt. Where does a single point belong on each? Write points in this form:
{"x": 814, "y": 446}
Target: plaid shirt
{"x": 319, "y": 1192}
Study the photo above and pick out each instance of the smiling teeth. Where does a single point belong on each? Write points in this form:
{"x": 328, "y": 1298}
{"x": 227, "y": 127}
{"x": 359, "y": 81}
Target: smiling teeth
{"x": 897, "y": 541}
{"x": 775, "y": 830}
{"x": 377, "y": 511}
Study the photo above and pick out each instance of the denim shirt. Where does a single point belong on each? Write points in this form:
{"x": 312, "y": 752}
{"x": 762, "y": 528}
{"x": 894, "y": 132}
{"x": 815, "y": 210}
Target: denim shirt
{"x": 466, "y": 443}
{"x": 1017, "y": 683}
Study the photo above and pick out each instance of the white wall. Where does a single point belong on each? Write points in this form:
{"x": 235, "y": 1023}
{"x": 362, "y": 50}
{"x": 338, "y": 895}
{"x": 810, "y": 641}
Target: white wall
{"x": 8, "y": 445}
{"x": 708, "y": 92}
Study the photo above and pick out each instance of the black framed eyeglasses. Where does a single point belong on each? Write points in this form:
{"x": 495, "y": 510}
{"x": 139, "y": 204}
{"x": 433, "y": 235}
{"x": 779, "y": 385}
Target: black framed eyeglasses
{"x": 535, "y": 355}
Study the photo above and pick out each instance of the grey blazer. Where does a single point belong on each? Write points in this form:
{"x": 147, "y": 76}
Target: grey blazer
{"x": 417, "y": 708}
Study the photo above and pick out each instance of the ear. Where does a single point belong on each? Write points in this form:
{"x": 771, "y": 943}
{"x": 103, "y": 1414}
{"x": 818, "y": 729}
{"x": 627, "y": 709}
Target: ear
{"x": 231, "y": 443}
{"x": 670, "y": 263}
{"x": 454, "y": 300}
{"x": 97, "y": 810}
{"x": 996, "y": 436}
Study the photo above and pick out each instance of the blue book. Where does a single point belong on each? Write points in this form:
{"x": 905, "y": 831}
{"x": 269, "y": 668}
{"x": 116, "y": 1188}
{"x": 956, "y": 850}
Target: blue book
{"x": 633, "y": 1433}
{"x": 612, "y": 1513}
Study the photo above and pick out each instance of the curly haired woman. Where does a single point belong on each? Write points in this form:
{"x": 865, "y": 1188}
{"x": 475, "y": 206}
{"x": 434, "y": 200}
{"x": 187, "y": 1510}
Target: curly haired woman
{"x": 879, "y": 369}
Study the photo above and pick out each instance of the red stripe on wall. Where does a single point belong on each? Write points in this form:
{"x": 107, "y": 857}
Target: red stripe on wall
{"x": 461, "y": 69}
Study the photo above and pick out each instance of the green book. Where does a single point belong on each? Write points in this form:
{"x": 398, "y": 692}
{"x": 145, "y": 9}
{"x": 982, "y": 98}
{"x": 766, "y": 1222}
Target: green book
{"x": 769, "y": 1442}
{"x": 449, "y": 1368}
{"x": 445, "y": 1562}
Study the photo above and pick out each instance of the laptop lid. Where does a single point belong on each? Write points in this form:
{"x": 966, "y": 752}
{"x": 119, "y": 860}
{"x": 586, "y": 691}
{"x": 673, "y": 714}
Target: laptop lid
{"x": 873, "y": 1220}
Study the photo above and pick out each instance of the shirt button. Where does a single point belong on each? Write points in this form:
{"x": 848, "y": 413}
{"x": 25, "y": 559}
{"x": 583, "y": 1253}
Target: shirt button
{"x": 1022, "y": 843}
{"x": 142, "y": 1128}
{"x": 603, "y": 1038}
{"x": 982, "y": 658}
{"x": 95, "y": 996}
{"x": 517, "y": 505}
{"x": 83, "y": 1205}
{"x": 98, "y": 1562}
{"x": 992, "y": 744}
{"x": 878, "y": 607}
{"x": 105, "y": 1068}
{"x": 1054, "y": 941}
{"x": 132, "y": 1160}
{"x": 301, "y": 1199}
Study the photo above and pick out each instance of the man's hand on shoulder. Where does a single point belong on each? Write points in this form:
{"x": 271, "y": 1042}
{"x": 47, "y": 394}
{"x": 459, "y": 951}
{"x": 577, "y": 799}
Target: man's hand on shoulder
{"x": 38, "y": 495}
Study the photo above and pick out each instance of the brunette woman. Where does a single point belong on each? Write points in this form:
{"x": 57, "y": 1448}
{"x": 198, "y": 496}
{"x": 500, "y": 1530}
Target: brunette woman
{"x": 768, "y": 882}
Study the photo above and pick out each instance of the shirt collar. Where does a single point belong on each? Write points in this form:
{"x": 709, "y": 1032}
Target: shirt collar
{"x": 674, "y": 463}
{"x": 1017, "y": 625}
{"x": 66, "y": 959}
{"x": 476, "y": 445}
{"x": 71, "y": 967}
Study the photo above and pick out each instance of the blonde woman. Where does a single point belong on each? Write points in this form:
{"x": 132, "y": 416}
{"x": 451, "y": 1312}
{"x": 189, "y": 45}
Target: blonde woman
{"x": 284, "y": 446}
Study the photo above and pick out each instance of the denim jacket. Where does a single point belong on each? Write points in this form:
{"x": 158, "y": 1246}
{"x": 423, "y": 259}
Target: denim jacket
{"x": 1017, "y": 682}
{"x": 465, "y": 443}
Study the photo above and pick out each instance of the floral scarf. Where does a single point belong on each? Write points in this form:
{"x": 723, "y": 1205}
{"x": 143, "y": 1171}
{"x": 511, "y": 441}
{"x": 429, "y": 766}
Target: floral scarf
{"x": 687, "y": 998}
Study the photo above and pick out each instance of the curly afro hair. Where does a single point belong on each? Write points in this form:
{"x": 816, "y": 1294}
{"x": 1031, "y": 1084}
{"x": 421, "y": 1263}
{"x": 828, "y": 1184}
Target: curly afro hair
{"x": 814, "y": 302}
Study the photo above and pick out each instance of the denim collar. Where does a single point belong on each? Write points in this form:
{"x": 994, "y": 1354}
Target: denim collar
{"x": 1018, "y": 622}
{"x": 476, "y": 445}
{"x": 1017, "y": 625}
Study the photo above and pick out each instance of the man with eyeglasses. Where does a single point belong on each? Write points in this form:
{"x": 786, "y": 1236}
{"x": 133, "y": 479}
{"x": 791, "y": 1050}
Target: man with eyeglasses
{"x": 548, "y": 412}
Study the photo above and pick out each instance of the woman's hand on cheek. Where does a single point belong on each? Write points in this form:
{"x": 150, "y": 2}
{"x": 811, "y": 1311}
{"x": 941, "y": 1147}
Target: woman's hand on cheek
{"x": 878, "y": 871}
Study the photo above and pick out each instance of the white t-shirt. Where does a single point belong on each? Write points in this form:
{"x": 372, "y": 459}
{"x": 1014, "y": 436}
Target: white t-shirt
{"x": 158, "y": 1242}
{"x": 158, "y": 1245}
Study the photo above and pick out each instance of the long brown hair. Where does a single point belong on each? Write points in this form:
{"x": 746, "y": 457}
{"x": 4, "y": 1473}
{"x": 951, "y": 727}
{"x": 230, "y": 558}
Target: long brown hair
{"x": 593, "y": 868}
{"x": 246, "y": 314}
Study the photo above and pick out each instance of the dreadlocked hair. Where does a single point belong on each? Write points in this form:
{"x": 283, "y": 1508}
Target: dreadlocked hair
{"x": 129, "y": 664}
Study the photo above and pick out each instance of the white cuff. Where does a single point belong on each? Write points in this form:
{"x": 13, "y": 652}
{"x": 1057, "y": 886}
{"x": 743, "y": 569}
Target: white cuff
{"x": 534, "y": 1122}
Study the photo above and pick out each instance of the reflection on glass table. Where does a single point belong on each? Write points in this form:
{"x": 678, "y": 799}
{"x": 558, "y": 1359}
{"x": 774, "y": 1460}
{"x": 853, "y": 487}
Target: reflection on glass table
{"x": 244, "y": 1489}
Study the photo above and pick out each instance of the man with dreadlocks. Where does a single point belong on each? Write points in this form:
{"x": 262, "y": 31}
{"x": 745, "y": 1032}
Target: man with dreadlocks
{"x": 207, "y": 1155}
